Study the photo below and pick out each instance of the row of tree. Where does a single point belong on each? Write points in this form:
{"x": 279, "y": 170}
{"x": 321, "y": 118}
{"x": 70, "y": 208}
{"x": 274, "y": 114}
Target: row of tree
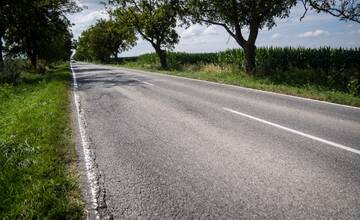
{"x": 36, "y": 29}
{"x": 104, "y": 40}
{"x": 155, "y": 21}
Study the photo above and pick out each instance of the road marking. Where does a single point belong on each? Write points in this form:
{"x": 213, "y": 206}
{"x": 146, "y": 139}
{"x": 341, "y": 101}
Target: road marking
{"x": 144, "y": 82}
{"x": 235, "y": 86}
{"x": 89, "y": 163}
{"x": 295, "y": 131}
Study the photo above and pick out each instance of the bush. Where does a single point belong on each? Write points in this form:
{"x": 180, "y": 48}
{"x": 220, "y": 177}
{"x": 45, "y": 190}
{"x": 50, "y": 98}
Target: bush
{"x": 12, "y": 69}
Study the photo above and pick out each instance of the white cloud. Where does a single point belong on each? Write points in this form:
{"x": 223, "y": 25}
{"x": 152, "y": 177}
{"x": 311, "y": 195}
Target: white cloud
{"x": 197, "y": 30}
{"x": 192, "y": 31}
{"x": 211, "y": 30}
{"x": 88, "y": 18}
{"x": 310, "y": 32}
{"x": 80, "y": 4}
{"x": 315, "y": 33}
{"x": 276, "y": 35}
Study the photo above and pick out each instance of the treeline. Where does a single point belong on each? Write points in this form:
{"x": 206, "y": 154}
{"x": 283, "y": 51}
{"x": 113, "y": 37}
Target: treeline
{"x": 337, "y": 69}
{"x": 34, "y": 30}
{"x": 155, "y": 21}
{"x": 103, "y": 40}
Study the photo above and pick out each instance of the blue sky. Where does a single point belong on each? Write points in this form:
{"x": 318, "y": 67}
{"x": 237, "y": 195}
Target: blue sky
{"x": 315, "y": 30}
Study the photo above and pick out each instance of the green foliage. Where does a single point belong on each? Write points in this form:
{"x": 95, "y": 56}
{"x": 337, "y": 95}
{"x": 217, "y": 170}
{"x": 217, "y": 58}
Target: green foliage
{"x": 155, "y": 21}
{"x": 241, "y": 13}
{"x": 36, "y": 154}
{"x": 235, "y": 15}
{"x": 337, "y": 69}
{"x": 37, "y": 29}
{"x": 11, "y": 70}
{"x": 226, "y": 75}
{"x": 103, "y": 40}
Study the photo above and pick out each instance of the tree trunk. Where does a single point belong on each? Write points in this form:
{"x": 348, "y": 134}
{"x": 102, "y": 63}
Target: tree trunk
{"x": 162, "y": 56}
{"x": 163, "y": 60}
{"x": 1, "y": 54}
{"x": 116, "y": 57}
{"x": 33, "y": 59}
{"x": 247, "y": 45}
{"x": 250, "y": 53}
{"x": 2, "y": 32}
{"x": 31, "y": 50}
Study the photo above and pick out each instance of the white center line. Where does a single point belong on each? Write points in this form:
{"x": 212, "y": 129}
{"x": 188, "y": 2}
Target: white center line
{"x": 295, "y": 131}
{"x": 147, "y": 83}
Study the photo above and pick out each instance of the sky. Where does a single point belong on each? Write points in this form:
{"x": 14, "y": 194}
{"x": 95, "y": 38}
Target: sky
{"x": 315, "y": 30}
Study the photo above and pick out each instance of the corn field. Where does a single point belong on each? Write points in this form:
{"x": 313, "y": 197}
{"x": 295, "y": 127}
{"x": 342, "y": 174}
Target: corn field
{"x": 328, "y": 67}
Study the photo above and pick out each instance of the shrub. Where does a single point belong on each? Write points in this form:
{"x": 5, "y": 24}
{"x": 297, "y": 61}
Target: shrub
{"x": 12, "y": 69}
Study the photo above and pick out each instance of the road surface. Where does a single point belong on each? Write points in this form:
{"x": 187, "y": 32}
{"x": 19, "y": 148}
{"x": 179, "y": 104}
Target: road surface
{"x": 172, "y": 148}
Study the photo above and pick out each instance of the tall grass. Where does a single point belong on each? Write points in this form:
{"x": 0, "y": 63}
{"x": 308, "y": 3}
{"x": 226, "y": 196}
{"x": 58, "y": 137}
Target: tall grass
{"x": 37, "y": 159}
{"x": 324, "y": 74}
{"x": 337, "y": 69}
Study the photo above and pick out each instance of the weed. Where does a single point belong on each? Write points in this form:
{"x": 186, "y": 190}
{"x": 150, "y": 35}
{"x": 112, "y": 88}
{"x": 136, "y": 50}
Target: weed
{"x": 37, "y": 177}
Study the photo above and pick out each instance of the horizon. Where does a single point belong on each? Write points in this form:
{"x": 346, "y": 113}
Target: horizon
{"x": 314, "y": 31}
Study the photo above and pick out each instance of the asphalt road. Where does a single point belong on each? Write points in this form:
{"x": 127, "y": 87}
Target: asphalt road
{"x": 174, "y": 148}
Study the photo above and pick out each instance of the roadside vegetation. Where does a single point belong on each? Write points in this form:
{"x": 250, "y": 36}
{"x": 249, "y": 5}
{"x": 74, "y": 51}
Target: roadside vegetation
{"x": 333, "y": 76}
{"x": 38, "y": 178}
{"x": 103, "y": 40}
{"x": 155, "y": 21}
{"x": 328, "y": 74}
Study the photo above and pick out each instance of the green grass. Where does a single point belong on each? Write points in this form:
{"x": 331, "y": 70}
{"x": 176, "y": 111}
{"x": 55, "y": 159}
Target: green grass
{"x": 38, "y": 178}
{"x": 237, "y": 77}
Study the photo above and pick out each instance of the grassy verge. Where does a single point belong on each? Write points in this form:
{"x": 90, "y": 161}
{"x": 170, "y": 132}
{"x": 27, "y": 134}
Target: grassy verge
{"x": 38, "y": 177}
{"x": 227, "y": 76}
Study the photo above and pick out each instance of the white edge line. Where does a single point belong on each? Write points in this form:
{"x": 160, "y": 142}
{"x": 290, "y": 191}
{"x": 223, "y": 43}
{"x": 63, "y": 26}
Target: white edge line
{"x": 239, "y": 87}
{"x": 91, "y": 176}
{"x": 295, "y": 131}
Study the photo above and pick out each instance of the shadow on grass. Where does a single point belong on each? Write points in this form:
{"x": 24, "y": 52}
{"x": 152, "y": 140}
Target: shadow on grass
{"x": 59, "y": 73}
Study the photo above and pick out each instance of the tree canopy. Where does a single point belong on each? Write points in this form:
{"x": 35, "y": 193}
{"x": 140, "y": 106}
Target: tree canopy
{"x": 344, "y": 9}
{"x": 104, "y": 40}
{"x": 154, "y": 20}
{"x": 236, "y": 15}
{"x": 38, "y": 29}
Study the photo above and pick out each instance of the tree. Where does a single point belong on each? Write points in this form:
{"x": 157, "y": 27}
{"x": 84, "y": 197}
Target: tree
{"x": 344, "y": 9}
{"x": 154, "y": 20}
{"x": 253, "y": 15}
{"x": 37, "y": 26}
{"x": 109, "y": 39}
{"x": 83, "y": 47}
{"x": 58, "y": 46}
{"x": 235, "y": 15}
{"x": 5, "y": 18}
{"x": 103, "y": 40}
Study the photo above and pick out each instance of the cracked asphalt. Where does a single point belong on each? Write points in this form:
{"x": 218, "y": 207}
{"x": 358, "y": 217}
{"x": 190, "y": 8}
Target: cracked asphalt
{"x": 166, "y": 149}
